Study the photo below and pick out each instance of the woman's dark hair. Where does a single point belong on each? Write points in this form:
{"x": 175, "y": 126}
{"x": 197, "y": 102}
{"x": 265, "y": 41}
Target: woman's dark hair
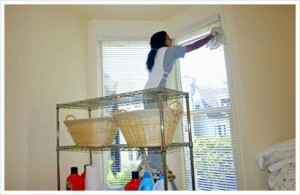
{"x": 157, "y": 41}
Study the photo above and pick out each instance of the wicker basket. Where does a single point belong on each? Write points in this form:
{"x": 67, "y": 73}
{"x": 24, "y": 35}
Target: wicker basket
{"x": 141, "y": 128}
{"x": 93, "y": 132}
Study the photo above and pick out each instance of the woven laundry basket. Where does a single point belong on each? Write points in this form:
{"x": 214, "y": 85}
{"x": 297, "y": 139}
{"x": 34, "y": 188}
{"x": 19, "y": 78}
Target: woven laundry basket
{"x": 141, "y": 128}
{"x": 93, "y": 132}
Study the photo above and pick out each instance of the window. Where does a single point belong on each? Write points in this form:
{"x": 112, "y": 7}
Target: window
{"x": 225, "y": 102}
{"x": 220, "y": 130}
{"x": 203, "y": 74}
{"x": 121, "y": 69}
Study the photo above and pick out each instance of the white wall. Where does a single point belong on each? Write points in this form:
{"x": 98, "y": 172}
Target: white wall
{"x": 191, "y": 18}
{"x": 45, "y": 64}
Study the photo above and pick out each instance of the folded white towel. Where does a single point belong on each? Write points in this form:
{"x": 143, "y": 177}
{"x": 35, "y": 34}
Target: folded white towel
{"x": 283, "y": 179}
{"x": 281, "y": 164}
{"x": 279, "y": 160}
{"x": 278, "y": 156}
{"x": 275, "y": 153}
{"x": 218, "y": 39}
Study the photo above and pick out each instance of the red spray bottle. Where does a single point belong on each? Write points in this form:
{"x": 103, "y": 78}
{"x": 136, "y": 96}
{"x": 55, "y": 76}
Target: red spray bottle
{"x": 74, "y": 181}
{"x": 134, "y": 183}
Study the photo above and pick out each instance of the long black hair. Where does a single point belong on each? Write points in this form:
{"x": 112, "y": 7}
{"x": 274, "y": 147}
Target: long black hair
{"x": 157, "y": 41}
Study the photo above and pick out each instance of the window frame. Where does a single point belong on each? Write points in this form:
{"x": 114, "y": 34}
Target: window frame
{"x": 233, "y": 123}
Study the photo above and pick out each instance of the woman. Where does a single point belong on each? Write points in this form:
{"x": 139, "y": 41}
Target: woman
{"x": 162, "y": 56}
{"x": 160, "y": 62}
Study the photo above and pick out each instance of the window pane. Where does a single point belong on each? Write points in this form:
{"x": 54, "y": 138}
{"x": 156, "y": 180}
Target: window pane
{"x": 204, "y": 76}
{"x": 124, "y": 66}
{"x": 122, "y": 70}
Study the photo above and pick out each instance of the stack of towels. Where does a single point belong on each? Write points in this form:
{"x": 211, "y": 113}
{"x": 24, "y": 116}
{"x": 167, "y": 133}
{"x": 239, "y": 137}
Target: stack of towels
{"x": 279, "y": 160}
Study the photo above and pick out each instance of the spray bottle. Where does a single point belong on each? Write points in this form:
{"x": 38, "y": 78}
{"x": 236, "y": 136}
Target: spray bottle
{"x": 146, "y": 183}
{"x": 74, "y": 181}
{"x": 134, "y": 183}
{"x": 159, "y": 185}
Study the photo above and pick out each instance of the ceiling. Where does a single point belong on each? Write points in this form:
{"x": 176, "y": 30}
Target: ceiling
{"x": 129, "y": 12}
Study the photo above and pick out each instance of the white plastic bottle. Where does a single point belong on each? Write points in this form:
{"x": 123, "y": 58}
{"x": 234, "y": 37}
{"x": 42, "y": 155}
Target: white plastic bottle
{"x": 159, "y": 185}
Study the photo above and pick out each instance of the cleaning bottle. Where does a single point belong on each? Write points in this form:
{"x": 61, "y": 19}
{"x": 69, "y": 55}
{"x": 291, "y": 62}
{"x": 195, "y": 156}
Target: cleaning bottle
{"x": 134, "y": 183}
{"x": 159, "y": 185}
{"x": 74, "y": 181}
{"x": 146, "y": 183}
{"x": 83, "y": 177}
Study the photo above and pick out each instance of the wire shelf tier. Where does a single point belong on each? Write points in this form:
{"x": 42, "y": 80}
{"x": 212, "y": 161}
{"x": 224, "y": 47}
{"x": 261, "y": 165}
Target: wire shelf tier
{"x": 124, "y": 99}
{"x": 119, "y": 147}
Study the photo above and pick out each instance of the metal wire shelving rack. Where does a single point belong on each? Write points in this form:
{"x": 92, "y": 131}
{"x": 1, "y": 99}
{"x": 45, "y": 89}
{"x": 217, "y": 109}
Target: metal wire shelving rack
{"x": 158, "y": 95}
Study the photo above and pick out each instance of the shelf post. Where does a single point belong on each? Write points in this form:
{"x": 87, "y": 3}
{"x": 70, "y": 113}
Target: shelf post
{"x": 163, "y": 144}
{"x": 190, "y": 140}
{"x": 57, "y": 147}
{"x": 91, "y": 151}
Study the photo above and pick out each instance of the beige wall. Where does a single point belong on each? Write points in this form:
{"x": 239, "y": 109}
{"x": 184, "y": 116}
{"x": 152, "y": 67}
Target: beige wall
{"x": 49, "y": 57}
{"x": 261, "y": 43}
{"x": 191, "y": 18}
{"x": 45, "y": 64}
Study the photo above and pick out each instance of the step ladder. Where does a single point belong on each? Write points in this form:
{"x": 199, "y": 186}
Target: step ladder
{"x": 145, "y": 163}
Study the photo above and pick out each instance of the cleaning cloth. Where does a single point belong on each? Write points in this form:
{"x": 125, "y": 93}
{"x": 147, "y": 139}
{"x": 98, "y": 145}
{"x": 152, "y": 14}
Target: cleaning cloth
{"x": 218, "y": 39}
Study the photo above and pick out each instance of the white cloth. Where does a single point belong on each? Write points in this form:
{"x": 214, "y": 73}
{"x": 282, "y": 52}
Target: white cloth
{"x": 284, "y": 179}
{"x": 275, "y": 153}
{"x": 218, "y": 39}
{"x": 279, "y": 160}
{"x": 281, "y": 164}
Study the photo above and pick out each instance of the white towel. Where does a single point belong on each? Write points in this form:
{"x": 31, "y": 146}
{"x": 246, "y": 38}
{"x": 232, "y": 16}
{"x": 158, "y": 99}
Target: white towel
{"x": 278, "y": 156}
{"x": 281, "y": 164}
{"x": 283, "y": 179}
{"x": 218, "y": 39}
{"x": 275, "y": 153}
{"x": 279, "y": 160}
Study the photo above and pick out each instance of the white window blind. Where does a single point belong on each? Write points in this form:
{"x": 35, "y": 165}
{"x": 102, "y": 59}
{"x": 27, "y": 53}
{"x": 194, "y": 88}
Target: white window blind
{"x": 122, "y": 68}
{"x": 123, "y": 65}
{"x": 203, "y": 74}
